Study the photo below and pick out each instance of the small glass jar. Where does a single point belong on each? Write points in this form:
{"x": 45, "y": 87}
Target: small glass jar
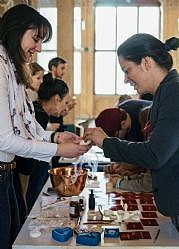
{"x": 81, "y": 203}
{"x": 74, "y": 207}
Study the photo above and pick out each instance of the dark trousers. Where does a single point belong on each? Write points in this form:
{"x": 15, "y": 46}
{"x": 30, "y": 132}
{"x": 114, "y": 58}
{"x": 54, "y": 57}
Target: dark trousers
{"x": 37, "y": 180}
{"x": 55, "y": 161}
{"x": 175, "y": 221}
{"x": 9, "y": 217}
{"x": 38, "y": 172}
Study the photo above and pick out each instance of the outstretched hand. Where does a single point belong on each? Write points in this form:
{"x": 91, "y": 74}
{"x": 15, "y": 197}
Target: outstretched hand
{"x": 65, "y": 137}
{"x": 95, "y": 135}
{"x": 71, "y": 149}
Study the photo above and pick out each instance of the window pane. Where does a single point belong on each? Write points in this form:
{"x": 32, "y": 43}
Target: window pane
{"x": 77, "y": 28}
{"x": 46, "y": 3}
{"x": 126, "y": 23}
{"x": 77, "y": 72}
{"x": 105, "y": 72}
{"x": 105, "y": 28}
{"x": 44, "y": 57}
{"x": 51, "y": 15}
{"x": 149, "y": 20}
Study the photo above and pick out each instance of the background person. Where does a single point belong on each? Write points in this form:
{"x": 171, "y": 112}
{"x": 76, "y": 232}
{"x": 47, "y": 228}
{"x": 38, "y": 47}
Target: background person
{"x": 147, "y": 66}
{"x": 30, "y": 175}
{"x": 133, "y": 108}
{"x": 22, "y": 31}
{"x": 37, "y": 73}
{"x": 116, "y": 123}
{"x": 122, "y": 98}
{"x": 53, "y": 100}
{"x": 57, "y": 67}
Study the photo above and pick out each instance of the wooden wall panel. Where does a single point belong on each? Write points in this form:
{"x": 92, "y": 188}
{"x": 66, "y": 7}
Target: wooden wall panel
{"x": 87, "y": 97}
{"x": 170, "y": 24}
{"x": 65, "y": 42}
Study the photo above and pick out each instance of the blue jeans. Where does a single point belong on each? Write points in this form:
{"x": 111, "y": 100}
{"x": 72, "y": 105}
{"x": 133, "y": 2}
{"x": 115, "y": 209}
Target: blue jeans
{"x": 9, "y": 217}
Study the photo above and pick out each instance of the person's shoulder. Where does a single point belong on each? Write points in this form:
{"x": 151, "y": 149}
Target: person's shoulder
{"x": 171, "y": 78}
{"x": 170, "y": 84}
{"x": 135, "y": 102}
{"x": 47, "y": 77}
{"x": 126, "y": 102}
{"x": 145, "y": 103}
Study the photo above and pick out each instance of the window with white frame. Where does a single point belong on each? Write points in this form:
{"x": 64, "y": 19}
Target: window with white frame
{"x": 113, "y": 24}
{"x": 48, "y": 9}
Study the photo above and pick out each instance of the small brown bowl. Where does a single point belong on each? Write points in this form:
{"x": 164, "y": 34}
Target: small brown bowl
{"x": 65, "y": 182}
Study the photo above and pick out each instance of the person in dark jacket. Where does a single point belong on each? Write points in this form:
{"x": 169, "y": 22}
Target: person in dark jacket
{"x": 116, "y": 122}
{"x": 147, "y": 66}
{"x": 53, "y": 100}
{"x": 133, "y": 108}
{"x": 57, "y": 67}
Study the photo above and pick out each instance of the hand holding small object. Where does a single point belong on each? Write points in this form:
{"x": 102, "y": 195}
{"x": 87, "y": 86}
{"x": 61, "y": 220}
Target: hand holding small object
{"x": 63, "y": 137}
{"x": 95, "y": 135}
{"x": 71, "y": 149}
{"x": 83, "y": 142}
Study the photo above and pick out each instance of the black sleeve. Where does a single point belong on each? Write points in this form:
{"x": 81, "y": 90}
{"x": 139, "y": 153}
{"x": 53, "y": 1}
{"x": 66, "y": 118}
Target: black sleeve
{"x": 58, "y": 120}
{"x": 40, "y": 115}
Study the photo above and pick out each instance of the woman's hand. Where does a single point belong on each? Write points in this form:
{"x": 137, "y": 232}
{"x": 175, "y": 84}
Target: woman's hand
{"x": 70, "y": 149}
{"x": 113, "y": 179}
{"x": 64, "y": 137}
{"x": 95, "y": 135}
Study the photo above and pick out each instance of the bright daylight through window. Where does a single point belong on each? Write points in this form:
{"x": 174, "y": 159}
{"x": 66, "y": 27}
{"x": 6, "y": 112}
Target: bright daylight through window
{"x": 121, "y": 22}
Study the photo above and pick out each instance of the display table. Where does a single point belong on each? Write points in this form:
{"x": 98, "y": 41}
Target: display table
{"x": 164, "y": 235}
{"x": 95, "y": 153}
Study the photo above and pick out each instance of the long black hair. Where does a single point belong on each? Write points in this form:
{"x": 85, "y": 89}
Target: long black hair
{"x": 141, "y": 45}
{"x": 13, "y": 24}
{"x": 52, "y": 87}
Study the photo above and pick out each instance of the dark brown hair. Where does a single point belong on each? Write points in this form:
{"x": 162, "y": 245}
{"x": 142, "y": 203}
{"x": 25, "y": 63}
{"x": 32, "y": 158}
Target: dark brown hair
{"x": 141, "y": 45}
{"x": 14, "y": 23}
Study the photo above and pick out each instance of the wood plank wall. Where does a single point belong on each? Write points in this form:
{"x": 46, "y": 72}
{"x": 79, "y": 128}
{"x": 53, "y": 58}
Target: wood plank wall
{"x": 170, "y": 23}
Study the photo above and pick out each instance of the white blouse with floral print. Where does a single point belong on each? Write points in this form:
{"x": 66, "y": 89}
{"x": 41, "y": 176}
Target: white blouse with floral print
{"x": 20, "y": 133}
